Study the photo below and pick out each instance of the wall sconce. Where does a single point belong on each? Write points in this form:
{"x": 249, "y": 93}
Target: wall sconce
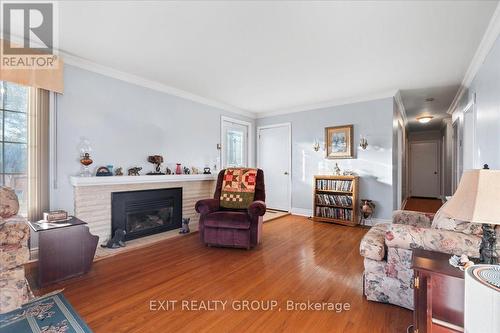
{"x": 363, "y": 142}
{"x": 316, "y": 145}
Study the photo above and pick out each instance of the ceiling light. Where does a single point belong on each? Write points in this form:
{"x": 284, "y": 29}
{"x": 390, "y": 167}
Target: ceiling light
{"x": 430, "y": 99}
{"x": 424, "y": 119}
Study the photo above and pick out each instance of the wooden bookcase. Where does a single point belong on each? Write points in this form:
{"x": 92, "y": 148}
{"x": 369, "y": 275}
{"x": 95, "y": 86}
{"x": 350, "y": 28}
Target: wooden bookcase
{"x": 335, "y": 199}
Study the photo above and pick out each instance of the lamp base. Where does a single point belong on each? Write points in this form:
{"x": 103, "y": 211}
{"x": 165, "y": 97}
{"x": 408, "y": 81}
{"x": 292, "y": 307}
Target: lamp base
{"x": 487, "y": 251}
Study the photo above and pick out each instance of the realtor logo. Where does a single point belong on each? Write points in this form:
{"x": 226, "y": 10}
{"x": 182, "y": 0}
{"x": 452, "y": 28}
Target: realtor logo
{"x": 28, "y": 35}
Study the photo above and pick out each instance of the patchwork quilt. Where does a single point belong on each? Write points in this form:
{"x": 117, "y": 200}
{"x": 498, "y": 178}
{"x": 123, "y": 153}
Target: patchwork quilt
{"x": 238, "y": 188}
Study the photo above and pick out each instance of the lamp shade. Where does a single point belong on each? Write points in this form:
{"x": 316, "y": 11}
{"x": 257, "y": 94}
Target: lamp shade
{"x": 477, "y": 198}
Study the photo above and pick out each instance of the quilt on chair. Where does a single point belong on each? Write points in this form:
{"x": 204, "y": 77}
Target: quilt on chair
{"x": 238, "y": 188}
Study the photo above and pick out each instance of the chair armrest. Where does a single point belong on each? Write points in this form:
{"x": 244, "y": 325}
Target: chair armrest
{"x": 409, "y": 217}
{"x": 14, "y": 231}
{"x": 207, "y": 206}
{"x": 409, "y": 237}
{"x": 257, "y": 208}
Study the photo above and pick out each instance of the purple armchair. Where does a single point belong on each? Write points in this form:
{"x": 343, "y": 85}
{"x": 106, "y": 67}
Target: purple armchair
{"x": 233, "y": 228}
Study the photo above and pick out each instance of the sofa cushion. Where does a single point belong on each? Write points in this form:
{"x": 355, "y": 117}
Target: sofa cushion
{"x": 9, "y": 205}
{"x": 444, "y": 222}
{"x": 372, "y": 245}
{"x": 15, "y": 230}
{"x": 12, "y": 256}
{"x": 14, "y": 289}
{"x": 227, "y": 219}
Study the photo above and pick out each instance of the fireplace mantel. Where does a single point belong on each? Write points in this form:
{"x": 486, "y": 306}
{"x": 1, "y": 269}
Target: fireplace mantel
{"x": 119, "y": 180}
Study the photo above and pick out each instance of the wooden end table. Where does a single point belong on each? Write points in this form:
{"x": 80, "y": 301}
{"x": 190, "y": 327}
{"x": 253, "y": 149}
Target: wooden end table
{"x": 438, "y": 293}
{"x": 65, "y": 249}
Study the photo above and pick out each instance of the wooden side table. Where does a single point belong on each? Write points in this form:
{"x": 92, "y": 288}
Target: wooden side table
{"x": 65, "y": 249}
{"x": 438, "y": 293}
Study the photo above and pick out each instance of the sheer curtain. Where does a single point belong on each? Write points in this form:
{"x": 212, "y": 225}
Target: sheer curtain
{"x": 38, "y": 154}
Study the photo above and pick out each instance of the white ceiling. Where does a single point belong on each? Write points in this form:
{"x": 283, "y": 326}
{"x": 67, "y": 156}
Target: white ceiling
{"x": 279, "y": 56}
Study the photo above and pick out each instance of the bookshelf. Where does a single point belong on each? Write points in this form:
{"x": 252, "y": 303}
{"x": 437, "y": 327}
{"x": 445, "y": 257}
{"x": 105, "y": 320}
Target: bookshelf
{"x": 335, "y": 199}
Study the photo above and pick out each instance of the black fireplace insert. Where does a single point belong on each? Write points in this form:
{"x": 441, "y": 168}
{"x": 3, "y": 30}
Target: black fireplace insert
{"x": 147, "y": 212}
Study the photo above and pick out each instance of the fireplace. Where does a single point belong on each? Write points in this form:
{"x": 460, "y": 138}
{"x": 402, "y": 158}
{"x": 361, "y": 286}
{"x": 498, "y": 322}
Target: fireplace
{"x": 143, "y": 213}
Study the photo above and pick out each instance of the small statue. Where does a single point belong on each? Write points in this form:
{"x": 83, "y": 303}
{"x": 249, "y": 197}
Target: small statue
{"x": 156, "y": 160}
{"x": 187, "y": 171}
{"x": 185, "y": 226}
{"x": 336, "y": 170}
{"x": 117, "y": 241}
{"x": 119, "y": 171}
{"x": 168, "y": 171}
{"x": 206, "y": 171}
{"x": 134, "y": 171}
{"x": 195, "y": 170}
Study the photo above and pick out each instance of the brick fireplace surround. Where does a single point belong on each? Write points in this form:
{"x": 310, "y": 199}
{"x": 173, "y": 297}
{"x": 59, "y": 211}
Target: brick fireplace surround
{"x": 92, "y": 196}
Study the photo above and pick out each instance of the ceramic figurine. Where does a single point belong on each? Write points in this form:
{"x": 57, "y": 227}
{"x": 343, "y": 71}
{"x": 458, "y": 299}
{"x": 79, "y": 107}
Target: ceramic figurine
{"x": 103, "y": 171}
{"x": 168, "y": 171}
{"x": 119, "y": 171}
{"x": 195, "y": 170}
{"x": 157, "y": 160}
{"x": 206, "y": 171}
{"x": 187, "y": 171}
{"x": 185, "y": 226}
{"x": 134, "y": 171}
{"x": 117, "y": 241}
{"x": 336, "y": 170}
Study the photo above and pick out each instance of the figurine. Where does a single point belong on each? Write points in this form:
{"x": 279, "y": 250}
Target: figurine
{"x": 187, "y": 171}
{"x": 336, "y": 170}
{"x": 156, "y": 160}
{"x": 134, "y": 171}
{"x": 103, "y": 171}
{"x": 118, "y": 240}
{"x": 195, "y": 170}
{"x": 206, "y": 171}
{"x": 178, "y": 170}
{"x": 168, "y": 171}
{"x": 185, "y": 226}
{"x": 119, "y": 171}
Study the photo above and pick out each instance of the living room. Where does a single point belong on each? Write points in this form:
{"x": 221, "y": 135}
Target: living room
{"x": 249, "y": 166}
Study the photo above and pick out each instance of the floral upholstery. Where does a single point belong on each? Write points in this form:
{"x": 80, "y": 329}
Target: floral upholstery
{"x": 14, "y": 253}
{"x": 372, "y": 246}
{"x": 407, "y": 237}
{"x": 416, "y": 219}
{"x": 443, "y": 222}
{"x": 388, "y": 275}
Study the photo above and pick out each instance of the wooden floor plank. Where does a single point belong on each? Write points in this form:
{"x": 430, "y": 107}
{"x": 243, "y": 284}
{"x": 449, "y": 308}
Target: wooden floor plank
{"x": 298, "y": 261}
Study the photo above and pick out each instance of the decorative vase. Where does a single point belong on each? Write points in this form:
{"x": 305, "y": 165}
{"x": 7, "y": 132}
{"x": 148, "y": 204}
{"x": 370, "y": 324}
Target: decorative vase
{"x": 178, "y": 169}
{"x": 367, "y": 208}
{"x": 85, "y": 160}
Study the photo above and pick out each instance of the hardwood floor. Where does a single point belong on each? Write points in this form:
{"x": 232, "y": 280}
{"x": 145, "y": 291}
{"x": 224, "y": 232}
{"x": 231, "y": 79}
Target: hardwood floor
{"x": 298, "y": 261}
{"x": 425, "y": 205}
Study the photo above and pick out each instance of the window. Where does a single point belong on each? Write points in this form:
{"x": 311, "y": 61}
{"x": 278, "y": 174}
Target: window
{"x": 234, "y": 143}
{"x": 14, "y": 140}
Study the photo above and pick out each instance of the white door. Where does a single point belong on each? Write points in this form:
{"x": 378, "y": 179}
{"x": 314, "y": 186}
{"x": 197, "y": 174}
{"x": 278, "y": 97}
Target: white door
{"x": 425, "y": 181}
{"x": 274, "y": 158}
{"x": 234, "y": 143}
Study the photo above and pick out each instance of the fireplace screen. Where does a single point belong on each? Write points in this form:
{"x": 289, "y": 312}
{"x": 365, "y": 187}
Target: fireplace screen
{"x": 142, "y": 213}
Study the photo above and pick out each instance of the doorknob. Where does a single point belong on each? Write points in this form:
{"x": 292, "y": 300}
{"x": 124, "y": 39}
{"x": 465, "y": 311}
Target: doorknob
{"x": 286, "y": 173}
{"x": 435, "y": 172}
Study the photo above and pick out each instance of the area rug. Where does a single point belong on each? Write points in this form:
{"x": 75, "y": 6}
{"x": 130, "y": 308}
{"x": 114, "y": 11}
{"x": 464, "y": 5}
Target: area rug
{"x": 51, "y": 313}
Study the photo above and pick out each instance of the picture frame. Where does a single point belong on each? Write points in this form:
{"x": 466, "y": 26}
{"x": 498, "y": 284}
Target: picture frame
{"x": 339, "y": 142}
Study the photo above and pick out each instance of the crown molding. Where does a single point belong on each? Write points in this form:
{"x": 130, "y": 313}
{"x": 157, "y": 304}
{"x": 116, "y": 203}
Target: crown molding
{"x": 490, "y": 36}
{"x": 327, "y": 104}
{"x": 402, "y": 109}
{"x": 154, "y": 85}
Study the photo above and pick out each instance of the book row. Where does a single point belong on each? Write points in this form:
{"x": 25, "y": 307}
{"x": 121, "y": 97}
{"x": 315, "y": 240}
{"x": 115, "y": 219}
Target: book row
{"x": 331, "y": 199}
{"x": 334, "y": 213}
{"x": 334, "y": 185}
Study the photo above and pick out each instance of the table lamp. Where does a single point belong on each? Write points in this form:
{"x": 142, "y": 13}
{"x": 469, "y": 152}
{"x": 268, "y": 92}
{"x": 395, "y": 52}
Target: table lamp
{"x": 476, "y": 200}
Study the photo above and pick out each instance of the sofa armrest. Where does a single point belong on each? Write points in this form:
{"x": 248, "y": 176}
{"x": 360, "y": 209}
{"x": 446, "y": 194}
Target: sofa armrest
{"x": 14, "y": 231}
{"x": 410, "y": 237}
{"x": 207, "y": 206}
{"x": 257, "y": 208}
{"x": 416, "y": 219}
{"x": 372, "y": 245}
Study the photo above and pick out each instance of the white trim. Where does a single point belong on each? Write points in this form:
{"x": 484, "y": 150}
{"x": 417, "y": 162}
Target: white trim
{"x": 402, "y": 109}
{"x": 301, "y": 212}
{"x": 372, "y": 222}
{"x": 326, "y": 104}
{"x": 154, "y": 85}
{"x": 116, "y": 180}
{"x": 289, "y": 127}
{"x": 250, "y": 150}
{"x": 490, "y": 36}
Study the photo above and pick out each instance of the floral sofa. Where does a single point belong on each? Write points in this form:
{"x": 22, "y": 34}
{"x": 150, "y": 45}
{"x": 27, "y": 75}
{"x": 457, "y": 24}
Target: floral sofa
{"x": 387, "y": 251}
{"x": 14, "y": 253}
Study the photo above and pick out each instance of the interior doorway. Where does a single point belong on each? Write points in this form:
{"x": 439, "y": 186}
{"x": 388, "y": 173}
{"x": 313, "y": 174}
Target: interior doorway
{"x": 274, "y": 157}
{"x": 424, "y": 169}
{"x": 236, "y": 142}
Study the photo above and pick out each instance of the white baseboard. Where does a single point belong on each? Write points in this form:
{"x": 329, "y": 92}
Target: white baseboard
{"x": 301, "y": 212}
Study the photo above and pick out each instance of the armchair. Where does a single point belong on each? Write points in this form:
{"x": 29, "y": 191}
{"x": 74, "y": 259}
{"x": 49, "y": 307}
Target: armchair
{"x": 387, "y": 251}
{"x": 232, "y": 227}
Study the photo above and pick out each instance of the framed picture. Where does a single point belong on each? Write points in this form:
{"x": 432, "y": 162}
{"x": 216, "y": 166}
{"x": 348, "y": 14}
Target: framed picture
{"x": 339, "y": 142}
